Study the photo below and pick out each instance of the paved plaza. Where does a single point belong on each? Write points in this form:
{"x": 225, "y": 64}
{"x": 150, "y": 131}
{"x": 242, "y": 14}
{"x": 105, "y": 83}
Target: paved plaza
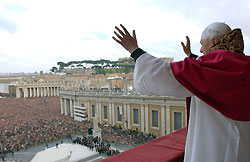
{"x": 79, "y": 153}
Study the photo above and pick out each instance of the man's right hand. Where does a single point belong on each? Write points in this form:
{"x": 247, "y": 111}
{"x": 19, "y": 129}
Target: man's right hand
{"x": 125, "y": 39}
{"x": 186, "y": 48}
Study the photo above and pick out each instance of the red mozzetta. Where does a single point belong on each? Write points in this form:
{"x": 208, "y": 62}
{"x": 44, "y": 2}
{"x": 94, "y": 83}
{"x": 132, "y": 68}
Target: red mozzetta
{"x": 220, "y": 78}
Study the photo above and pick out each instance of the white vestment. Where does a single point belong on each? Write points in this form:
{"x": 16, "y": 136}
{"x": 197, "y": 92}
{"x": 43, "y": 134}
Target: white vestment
{"x": 212, "y": 137}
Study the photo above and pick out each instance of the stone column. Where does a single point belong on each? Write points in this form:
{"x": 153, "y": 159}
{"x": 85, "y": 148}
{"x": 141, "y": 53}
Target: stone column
{"x": 71, "y": 108}
{"x": 51, "y": 91}
{"x": 100, "y": 112}
{"x": 142, "y": 118}
{"x": 110, "y": 113}
{"x": 48, "y": 91}
{"x": 30, "y": 92}
{"x": 97, "y": 110}
{"x": 25, "y": 92}
{"x": 113, "y": 113}
{"x": 168, "y": 118}
{"x": 162, "y": 120}
{"x": 128, "y": 110}
{"x": 17, "y": 92}
{"x": 42, "y": 91}
{"x": 45, "y": 91}
{"x": 35, "y": 92}
{"x": 125, "y": 115}
{"x": 62, "y": 105}
{"x": 88, "y": 110}
{"x": 58, "y": 91}
{"x": 18, "y": 95}
{"x": 55, "y": 91}
{"x": 65, "y": 107}
{"x": 146, "y": 118}
{"x": 38, "y": 92}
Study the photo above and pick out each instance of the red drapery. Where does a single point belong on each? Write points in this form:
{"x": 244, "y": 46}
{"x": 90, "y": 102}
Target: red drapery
{"x": 168, "y": 148}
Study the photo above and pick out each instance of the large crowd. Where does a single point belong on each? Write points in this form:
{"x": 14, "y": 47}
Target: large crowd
{"x": 97, "y": 144}
{"x": 30, "y": 121}
{"x": 26, "y": 122}
{"x": 119, "y": 135}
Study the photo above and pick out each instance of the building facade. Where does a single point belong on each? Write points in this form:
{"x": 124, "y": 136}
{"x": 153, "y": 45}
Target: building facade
{"x": 148, "y": 114}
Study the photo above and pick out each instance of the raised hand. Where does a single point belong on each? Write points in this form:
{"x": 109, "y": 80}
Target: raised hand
{"x": 125, "y": 39}
{"x": 186, "y": 48}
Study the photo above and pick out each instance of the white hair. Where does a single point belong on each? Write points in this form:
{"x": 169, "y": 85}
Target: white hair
{"x": 215, "y": 30}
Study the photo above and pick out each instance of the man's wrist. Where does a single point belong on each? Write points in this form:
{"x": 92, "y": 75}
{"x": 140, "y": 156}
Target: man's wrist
{"x": 137, "y": 53}
{"x": 193, "y": 56}
{"x": 133, "y": 49}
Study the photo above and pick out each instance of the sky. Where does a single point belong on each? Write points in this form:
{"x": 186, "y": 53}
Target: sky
{"x": 36, "y": 34}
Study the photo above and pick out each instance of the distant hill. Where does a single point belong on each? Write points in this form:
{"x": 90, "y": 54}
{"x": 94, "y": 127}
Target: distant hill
{"x": 123, "y": 65}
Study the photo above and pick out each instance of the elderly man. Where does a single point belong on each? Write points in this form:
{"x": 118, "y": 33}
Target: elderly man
{"x": 218, "y": 83}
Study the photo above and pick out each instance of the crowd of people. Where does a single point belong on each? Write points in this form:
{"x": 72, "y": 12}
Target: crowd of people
{"x": 114, "y": 134}
{"x": 29, "y": 121}
{"x": 97, "y": 144}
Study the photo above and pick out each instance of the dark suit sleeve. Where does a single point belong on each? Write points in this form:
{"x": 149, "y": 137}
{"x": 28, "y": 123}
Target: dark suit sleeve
{"x": 137, "y": 53}
{"x": 193, "y": 56}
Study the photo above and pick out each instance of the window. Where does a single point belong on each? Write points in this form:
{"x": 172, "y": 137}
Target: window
{"x": 105, "y": 111}
{"x": 119, "y": 113}
{"x": 155, "y": 118}
{"x": 82, "y": 105}
{"x": 177, "y": 120}
{"x": 135, "y": 116}
{"x": 93, "y": 110}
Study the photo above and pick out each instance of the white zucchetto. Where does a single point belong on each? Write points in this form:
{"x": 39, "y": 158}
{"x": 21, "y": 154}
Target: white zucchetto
{"x": 215, "y": 30}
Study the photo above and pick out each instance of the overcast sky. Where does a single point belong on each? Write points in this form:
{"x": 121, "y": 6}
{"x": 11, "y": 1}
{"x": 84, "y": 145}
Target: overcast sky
{"x": 36, "y": 34}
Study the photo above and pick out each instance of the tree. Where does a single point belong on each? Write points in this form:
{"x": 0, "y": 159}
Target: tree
{"x": 100, "y": 71}
{"x": 126, "y": 70}
{"x": 54, "y": 69}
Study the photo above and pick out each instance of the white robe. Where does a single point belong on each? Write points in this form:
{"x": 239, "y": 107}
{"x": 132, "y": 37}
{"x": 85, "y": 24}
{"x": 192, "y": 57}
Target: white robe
{"x": 211, "y": 137}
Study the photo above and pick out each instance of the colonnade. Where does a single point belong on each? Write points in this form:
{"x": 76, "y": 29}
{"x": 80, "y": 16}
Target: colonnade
{"x": 67, "y": 106}
{"x": 37, "y": 90}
